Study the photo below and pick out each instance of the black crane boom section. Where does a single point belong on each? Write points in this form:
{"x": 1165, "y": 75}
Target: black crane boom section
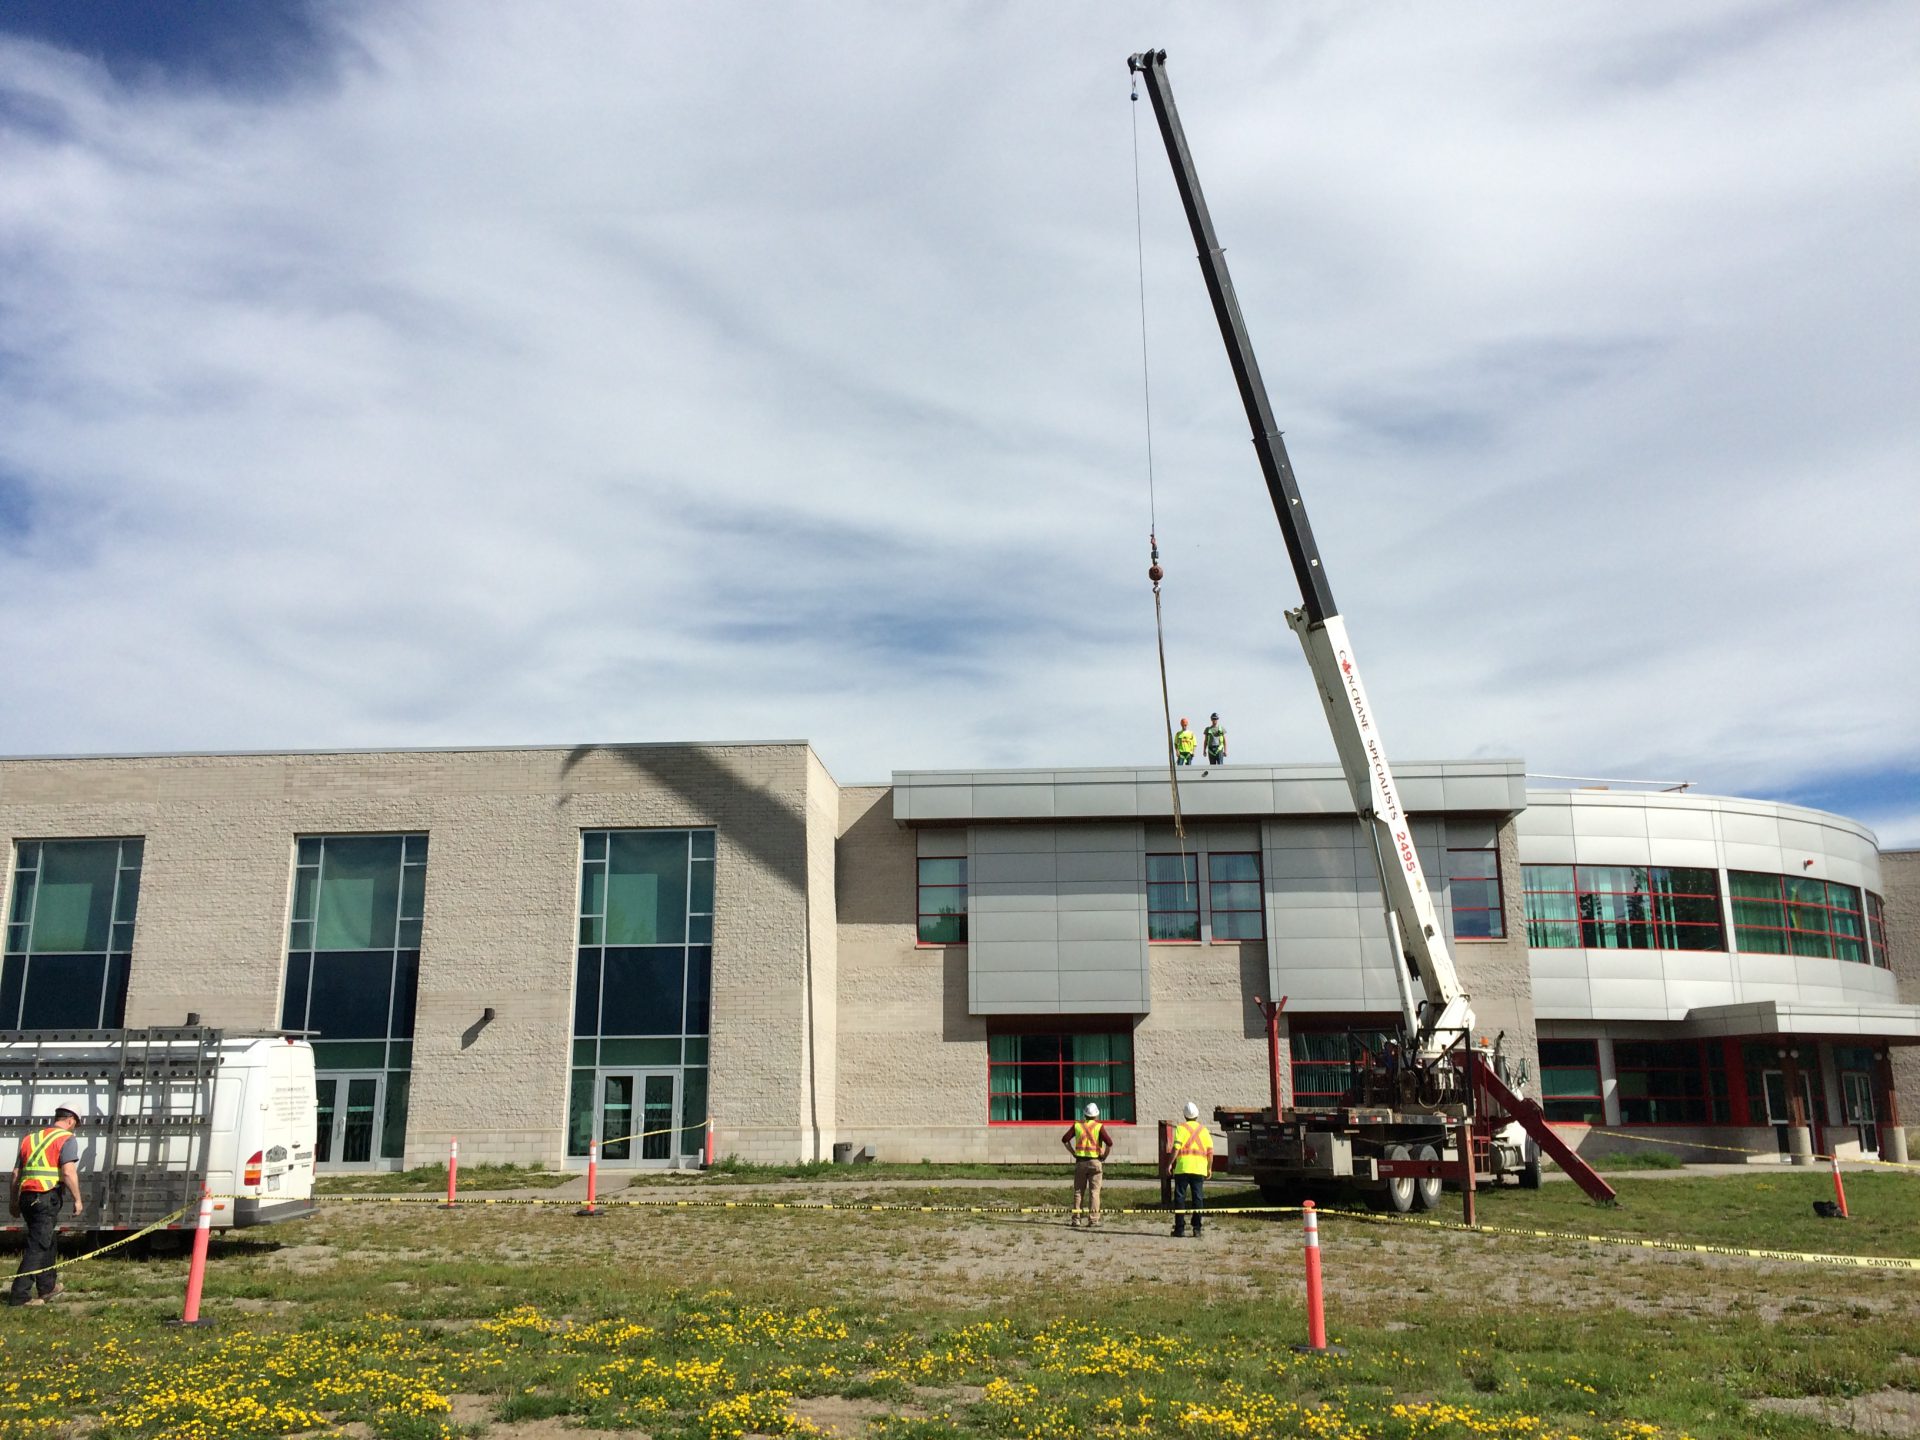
{"x": 1267, "y": 441}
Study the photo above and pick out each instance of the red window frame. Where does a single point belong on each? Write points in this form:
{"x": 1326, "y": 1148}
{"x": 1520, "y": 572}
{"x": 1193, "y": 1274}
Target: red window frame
{"x": 1817, "y": 942}
{"x": 1357, "y": 1036}
{"x": 924, "y": 915}
{"x": 1639, "y": 920}
{"x": 1497, "y": 923}
{"x": 1710, "y": 1102}
{"x": 1112, "y": 1100}
{"x": 1592, "y": 1103}
{"x": 1215, "y": 909}
{"x": 1190, "y": 885}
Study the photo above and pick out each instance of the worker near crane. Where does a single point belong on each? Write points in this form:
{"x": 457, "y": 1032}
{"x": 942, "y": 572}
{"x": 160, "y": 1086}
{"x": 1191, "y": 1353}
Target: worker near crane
{"x": 1191, "y": 1151}
{"x": 1184, "y": 743}
{"x": 46, "y": 1168}
{"x": 1089, "y": 1144}
{"x": 1216, "y": 738}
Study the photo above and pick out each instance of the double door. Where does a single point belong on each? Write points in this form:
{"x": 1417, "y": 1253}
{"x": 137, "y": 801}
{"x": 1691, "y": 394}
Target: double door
{"x": 1856, "y": 1094}
{"x": 637, "y": 1119}
{"x": 1780, "y": 1113}
{"x": 350, "y": 1107}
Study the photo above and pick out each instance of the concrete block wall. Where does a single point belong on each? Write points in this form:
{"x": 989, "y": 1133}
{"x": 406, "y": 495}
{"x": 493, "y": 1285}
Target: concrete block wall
{"x": 1900, "y": 874}
{"x": 501, "y": 896}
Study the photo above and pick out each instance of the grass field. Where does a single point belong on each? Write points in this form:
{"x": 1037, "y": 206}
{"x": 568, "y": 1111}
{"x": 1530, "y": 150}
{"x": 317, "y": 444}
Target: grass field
{"x": 407, "y": 1321}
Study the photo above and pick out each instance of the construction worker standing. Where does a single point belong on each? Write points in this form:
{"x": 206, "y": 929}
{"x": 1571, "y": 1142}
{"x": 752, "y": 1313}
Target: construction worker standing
{"x": 1192, "y": 1154}
{"x": 46, "y": 1166}
{"x": 1216, "y": 738}
{"x": 1184, "y": 743}
{"x": 1088, "y": 1142}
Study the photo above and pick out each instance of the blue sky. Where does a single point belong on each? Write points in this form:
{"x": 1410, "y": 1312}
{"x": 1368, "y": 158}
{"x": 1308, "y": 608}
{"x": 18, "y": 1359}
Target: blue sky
{"x": 434, "y": 373}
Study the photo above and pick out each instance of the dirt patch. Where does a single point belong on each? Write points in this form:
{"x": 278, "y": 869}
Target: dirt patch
{"x": 839, "y": 1415}
{"x": 1893, "y": 1413}
{"x": 304, "y": 1259}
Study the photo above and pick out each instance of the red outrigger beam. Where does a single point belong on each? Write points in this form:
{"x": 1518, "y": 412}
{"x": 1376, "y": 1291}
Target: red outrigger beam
{"x": 1491, "y": 1096}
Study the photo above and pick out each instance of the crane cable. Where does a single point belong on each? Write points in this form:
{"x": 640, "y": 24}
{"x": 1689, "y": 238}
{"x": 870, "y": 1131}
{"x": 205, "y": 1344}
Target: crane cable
{"x": 1154, "y": 573}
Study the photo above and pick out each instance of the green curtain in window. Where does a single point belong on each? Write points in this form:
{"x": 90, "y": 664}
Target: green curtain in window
{"x": 647, "y": 887}
{"x": 73, "y": 911}
{"x": 359, "y": 893}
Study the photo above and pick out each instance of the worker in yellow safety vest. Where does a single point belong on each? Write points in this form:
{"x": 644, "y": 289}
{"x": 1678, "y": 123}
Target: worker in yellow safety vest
{"x": 46, "y": 1168}
{"x": 1184, "y": 743}
{"x": 1088, "y": 1142}
{"x": 1191, "y": 1152}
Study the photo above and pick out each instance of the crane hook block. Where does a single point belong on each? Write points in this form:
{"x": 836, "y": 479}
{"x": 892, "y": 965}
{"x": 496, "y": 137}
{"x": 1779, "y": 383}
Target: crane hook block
{"x": 1154, "y": 572}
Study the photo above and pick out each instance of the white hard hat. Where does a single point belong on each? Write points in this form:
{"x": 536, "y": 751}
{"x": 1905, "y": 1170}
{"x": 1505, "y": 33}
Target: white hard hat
{"x": 1193, "y": 1111}
{"x": 1093, "y": 1111}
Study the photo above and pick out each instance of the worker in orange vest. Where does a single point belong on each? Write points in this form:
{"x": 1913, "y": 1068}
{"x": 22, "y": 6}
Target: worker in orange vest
{"x": 1191, "y": 1151}
{"x": 46, "y": 1168}
{"x": 1088, "y": 1142}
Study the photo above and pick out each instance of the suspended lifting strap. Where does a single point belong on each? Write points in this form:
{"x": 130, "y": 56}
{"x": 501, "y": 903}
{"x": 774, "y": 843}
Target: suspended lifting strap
{"x": 1154, "y": 572}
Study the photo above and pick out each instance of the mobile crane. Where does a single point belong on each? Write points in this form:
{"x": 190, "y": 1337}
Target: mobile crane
{"x": 1439, "y": 1102}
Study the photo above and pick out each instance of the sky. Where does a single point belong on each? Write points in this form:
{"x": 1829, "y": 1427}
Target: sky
{"x": 458, "y": 372}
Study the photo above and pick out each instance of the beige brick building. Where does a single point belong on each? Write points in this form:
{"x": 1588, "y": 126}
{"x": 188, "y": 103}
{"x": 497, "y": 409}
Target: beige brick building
{"x": 535, "y": 948}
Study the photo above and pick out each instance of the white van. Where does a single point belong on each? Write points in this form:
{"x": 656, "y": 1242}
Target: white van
{"x": 165, "y": 1110}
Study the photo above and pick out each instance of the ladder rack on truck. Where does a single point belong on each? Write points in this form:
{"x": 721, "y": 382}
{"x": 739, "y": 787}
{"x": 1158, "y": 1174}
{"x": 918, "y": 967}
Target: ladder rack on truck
{"x": 166, "y": 1110}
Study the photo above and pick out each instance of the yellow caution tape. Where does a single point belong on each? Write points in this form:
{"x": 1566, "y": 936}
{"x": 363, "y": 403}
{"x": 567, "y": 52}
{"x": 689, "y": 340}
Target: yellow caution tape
{"x": 650, "y": 1134}
{"x": 1869, "y": 1262}
{"x": 98, "y": 1251}
{"x": 1599, "y": 1161}
{"x": 1872, "y": 1262}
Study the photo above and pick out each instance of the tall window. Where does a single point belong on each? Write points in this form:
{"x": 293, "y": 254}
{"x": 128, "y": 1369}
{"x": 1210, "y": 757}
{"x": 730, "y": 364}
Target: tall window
{"x": 1877, "y": 931}
{"x": 1173, "y": 897}
{"x": 1570, "y": 1081}
{"x": 353, "y": 975}
{"x": 943, "y": 900}
{"x": 1669, "y": 1082}
{"x": 1233, "y": 896}
{"x": 1622, "y": 907}
{"x": 1797, "y": 915}
{"x": 70, "y": 935}
{"x": 1051, "y": 1077}
{"x": 1323, "y": 1062}
{"x": 643, "y": 982}
{"x": 1473, "y": 881}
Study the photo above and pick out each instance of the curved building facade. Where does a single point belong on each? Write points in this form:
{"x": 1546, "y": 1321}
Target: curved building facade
{"x": 1711, "y": 969}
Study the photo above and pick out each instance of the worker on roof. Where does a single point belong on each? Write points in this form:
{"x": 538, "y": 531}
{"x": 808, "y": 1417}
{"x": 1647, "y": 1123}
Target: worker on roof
{"x": 1216, "y": 737}
{"x": 1184, "y": 743}
{"x": 47, "y": 1165}
{"x": 1191, "y": 1154}
{"x": 1089, "y": 1143}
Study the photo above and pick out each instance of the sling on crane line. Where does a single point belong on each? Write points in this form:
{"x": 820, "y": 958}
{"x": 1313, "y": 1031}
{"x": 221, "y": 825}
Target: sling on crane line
{"x": 1440, "y": 1067}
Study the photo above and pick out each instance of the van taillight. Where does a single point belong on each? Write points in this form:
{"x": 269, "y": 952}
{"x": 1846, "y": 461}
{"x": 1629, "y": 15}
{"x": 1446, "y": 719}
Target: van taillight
{"x": 252, "y": 1176}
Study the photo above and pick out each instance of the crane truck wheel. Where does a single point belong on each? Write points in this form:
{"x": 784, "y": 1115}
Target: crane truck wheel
{"x": 1395, "y": 1196}
{"x": 1426, "y": 1192}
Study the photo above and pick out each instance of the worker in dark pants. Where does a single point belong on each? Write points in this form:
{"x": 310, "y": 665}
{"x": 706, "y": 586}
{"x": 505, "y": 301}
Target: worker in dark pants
{"x": 1215, "y": 736}
{"x": 1192, "y": 1152}
{"x": 44, "y": 1172}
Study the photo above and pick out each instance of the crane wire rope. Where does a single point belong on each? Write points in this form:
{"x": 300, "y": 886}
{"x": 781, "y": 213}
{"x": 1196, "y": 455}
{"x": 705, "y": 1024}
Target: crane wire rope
{"x": 1154, "y": 572}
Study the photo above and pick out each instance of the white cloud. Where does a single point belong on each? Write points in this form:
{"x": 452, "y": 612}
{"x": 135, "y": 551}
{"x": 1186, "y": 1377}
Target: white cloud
{"x": 639, "y": 372}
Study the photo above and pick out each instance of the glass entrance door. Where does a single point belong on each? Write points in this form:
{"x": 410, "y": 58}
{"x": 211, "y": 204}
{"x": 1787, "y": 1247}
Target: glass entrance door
{"x": 638, "y": 1116}
{"x": 1780, "y": 1115}
{"x": 1856, "y": 1093}
{"x": 349, "y": 1118}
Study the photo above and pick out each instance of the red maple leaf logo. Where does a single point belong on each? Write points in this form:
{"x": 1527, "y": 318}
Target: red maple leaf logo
{"x": 1346, "y": 665}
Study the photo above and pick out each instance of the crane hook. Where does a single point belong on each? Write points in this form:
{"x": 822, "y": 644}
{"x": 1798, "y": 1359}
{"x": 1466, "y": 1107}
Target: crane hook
{"x": 1154, "y": 572}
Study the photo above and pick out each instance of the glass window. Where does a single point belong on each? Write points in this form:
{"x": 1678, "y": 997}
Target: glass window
{"x": 1323, "y": 1062}
{"x": 1173, "y": 897}
{"x": 943, "y": 900}
{"x": 1667, "y": 1082}
{"x": 1473, "y": 882}
{"x": 69, "y": 938}
{"x": 1233, "y": 896}
{"x": 1797, "y": 915}
{"x": 1622, "y": 907}
{"x": 1034, "y": 1078}
{"x": 359, "y": 899}
{"x": 351, "y": 994}
{"x": 642, "y": 974}
{"x": 1570, "y": 1081}
{"x": 1877, "y": 931}
{"x": 646, "y": 887}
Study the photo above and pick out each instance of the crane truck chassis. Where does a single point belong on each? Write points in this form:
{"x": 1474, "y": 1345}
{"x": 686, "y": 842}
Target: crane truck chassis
{"x": 1438, "y": 1085}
